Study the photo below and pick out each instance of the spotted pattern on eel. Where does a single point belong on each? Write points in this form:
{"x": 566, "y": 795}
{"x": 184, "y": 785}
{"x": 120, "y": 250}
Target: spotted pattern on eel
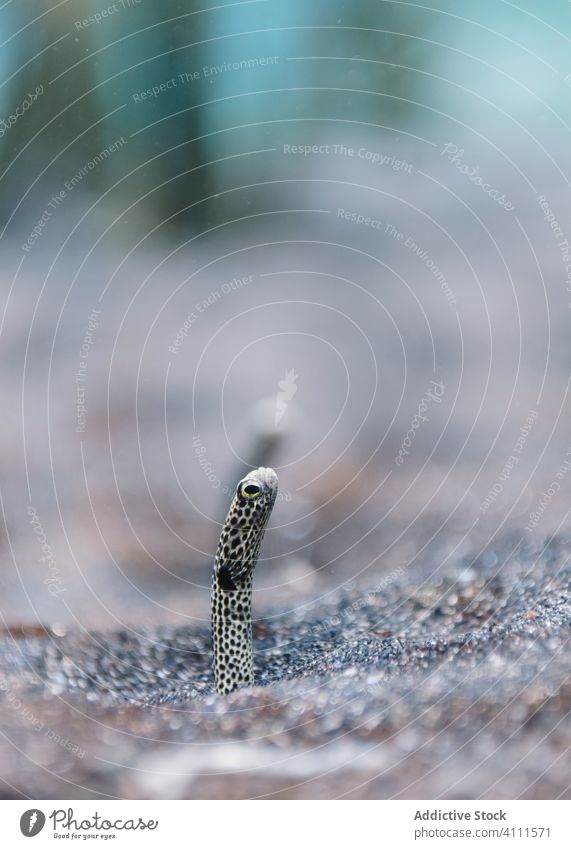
{"x": 236, "y": 558}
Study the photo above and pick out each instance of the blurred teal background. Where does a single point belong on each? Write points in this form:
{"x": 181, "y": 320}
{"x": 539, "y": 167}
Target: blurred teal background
{"x": 491, "y": 66}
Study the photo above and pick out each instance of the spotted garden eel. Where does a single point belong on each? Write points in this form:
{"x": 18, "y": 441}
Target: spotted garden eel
{"x": 236, "y": 558}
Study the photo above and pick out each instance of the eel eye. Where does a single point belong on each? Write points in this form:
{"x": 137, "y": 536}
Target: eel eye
{"x": 250, "y": 490}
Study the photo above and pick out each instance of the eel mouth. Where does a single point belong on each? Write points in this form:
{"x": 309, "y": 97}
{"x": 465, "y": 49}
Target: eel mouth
{"x": 265, "y": 476}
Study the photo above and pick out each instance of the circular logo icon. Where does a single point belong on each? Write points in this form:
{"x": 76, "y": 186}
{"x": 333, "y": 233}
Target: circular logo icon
{"x": 32, "y": 822}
